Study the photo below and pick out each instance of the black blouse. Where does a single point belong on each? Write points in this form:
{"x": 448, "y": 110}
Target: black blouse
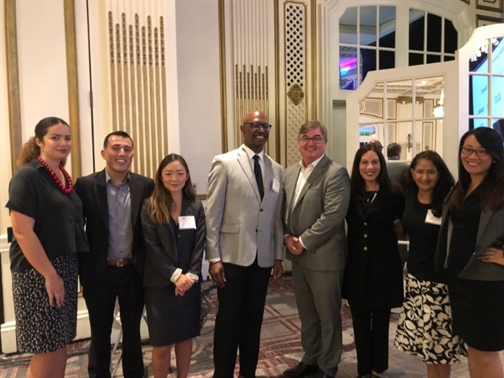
{"x": 423, "y": 238}
{"x": 59, "y": 223}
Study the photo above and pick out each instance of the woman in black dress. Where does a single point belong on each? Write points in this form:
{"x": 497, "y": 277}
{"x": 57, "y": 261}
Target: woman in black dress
{"x": 48, "y": 226}
{"x": 425, "y": 324}
{"x": 173, "y": 224}
{"x": 373, "y": 282}
{"x": 470, "y": 249}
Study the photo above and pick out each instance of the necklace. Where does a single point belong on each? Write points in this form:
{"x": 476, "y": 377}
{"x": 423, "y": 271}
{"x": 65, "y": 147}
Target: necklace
{"x": 55, "y": 177}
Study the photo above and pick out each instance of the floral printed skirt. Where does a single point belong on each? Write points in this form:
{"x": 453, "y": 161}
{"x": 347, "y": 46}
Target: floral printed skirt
{"x": 40, "y": 327}
{"x": 425, "y": 324}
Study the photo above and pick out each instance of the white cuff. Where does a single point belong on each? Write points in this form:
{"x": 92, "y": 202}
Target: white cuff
{"x": 175, "y": 276}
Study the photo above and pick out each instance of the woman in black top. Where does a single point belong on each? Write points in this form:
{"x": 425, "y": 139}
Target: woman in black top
{"x": 372, "y": 283}
{"x": 47, "y": 222}
{"x": 425, "y": 328}
{"x": 470, "y": 249}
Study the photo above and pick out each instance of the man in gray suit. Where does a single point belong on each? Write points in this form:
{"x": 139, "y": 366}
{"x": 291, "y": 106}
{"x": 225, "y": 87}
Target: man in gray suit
{"x": 396, "y": 169}
{"x": 316, "y": 197}
{"x": 244, "y": 241}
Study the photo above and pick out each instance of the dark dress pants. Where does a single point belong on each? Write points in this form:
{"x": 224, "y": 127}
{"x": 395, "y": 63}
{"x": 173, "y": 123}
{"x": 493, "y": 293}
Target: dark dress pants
{"x": 125, "y": 284}
{"x": 371, "y": 333}
{"x": 239, "y": 319}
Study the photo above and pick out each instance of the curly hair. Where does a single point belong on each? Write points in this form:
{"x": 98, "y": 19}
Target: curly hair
{"x": 30, "y": 150}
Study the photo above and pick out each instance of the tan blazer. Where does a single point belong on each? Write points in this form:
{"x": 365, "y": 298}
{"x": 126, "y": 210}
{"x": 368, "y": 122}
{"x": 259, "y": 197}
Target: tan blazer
{"x": 239, "y": 225}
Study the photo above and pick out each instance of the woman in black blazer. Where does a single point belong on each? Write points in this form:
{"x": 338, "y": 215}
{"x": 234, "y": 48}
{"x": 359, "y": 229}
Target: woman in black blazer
{"x": 373, "y": 275}
{"x": 173, "y": 224}
{"x": 470, "y": 250}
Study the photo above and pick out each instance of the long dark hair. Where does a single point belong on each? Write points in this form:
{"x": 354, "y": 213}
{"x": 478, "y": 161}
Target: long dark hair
{"x": 444, "y": 182}
{"x": 357, "y": 183}
{"x": 161, "y": 199}
{"x": 493, "y": 183}
{"x": 30, "y": 150}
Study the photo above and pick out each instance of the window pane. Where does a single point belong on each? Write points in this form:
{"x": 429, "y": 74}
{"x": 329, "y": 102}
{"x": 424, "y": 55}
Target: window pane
{"x": 387, "y": 59}
{"x": 479, "y": 95}
{"x": 450, "y": 44}
{"x": 498, "y": 125}
{"x": 348, "y": 26}
{"x": 368, "y": 62}
{"x": 387, "y": 26}
{"x": 348, "y": 68}
{"x": 416, "y": 30}
{"x": 498, "y": 96}
{"x": 433, "y": 33}
{"x": 368, "y": 26}
{"x": 447, "y": 58}
{"x": 433, "y": 58}
{"x": 480, "y": 122}
{"x": 415, "y": 59}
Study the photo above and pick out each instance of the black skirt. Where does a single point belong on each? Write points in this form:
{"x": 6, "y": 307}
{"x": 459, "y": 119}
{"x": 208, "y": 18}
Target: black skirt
{"x": 172, "y": 319}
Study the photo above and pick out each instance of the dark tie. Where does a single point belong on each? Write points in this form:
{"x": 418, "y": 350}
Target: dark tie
{"x": 258, "y": 176}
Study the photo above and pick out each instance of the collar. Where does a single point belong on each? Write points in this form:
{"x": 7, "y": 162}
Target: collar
{"x": 313, "y": 163}
{"x": 251, "y": 153}
{"x": 109, "y": 179}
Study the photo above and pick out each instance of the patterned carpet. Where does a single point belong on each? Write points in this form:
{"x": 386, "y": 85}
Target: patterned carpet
{"x": 280, "y": 344}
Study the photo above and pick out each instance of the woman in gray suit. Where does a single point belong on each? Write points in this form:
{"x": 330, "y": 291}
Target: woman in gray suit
{"x": 173, "y": 224}
{"x": 470, "y": 249}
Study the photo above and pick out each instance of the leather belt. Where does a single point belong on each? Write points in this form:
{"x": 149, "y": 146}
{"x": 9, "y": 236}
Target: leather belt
{"x": 120, "y": 263}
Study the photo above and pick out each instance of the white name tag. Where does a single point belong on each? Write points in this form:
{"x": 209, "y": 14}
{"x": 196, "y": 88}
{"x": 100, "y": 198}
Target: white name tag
{"x": 187, "y": 222}
{"x": 430, "y": 218}
{"x": 276, "y": 186}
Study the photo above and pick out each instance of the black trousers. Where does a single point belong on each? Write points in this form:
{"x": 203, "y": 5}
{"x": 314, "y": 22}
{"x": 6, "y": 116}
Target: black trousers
{"x": 371, "y": 332}
{"x": 126, "y": 284}
{"x": 239, "y": 319}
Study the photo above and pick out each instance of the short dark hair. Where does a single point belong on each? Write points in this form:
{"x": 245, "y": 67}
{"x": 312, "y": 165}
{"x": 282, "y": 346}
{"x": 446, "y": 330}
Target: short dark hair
{"x": 393, "y": 150}
{"x": 120, "y": 133}
{"x": 310, "y": 125}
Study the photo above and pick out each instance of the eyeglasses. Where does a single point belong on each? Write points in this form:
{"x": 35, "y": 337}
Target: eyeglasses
{"x": 479, "y": 153}
{"x": 317, "y": 139}
{"x": 258, "y": 125}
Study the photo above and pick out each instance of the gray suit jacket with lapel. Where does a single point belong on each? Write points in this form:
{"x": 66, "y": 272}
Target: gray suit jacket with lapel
{"x": 490, "y": 234}
{"x": 239, "y": 225}
{"x": 318, "y": 216}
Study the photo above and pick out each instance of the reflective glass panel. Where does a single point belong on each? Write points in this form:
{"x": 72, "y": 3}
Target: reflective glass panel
{"x": 348, "y": 26}
{"x": 433, "y": 58}
{"x": 480, "y": 122}
{"x": 386, "y": 59}
{"x": 498, "y": 96}
{"x": 450, "y": 43}
{"x": 433, "y": 33}
{"x": 416, "y": 30}
{"x": 479, "y": 95}
{"x": 415, "y": 59}
{"x": 367, "y": 22}
{"x": 387, "y": 26}
{"x": 348, "y": 68}
{"x": 368, "y": 62}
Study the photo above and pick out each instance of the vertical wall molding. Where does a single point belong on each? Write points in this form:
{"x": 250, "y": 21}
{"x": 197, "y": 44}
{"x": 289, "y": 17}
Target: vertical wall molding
{"x": 73, "y": 85}
{"x": 13, "y": 82}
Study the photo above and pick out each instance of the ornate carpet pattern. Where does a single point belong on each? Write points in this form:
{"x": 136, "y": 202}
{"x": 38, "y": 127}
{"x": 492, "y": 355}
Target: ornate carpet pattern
{"x": 280, "y": 344}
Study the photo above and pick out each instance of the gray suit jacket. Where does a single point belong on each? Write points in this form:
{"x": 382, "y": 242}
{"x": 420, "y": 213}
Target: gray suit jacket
{"x": 490, "y": 234}
{"x": 318, "y": 216}
{"x": 239, "y": 225}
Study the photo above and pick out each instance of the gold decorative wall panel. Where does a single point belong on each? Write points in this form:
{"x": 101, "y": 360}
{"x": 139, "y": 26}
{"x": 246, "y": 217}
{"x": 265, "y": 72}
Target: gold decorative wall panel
{"x": 138, "y": 86}
{"x": 295, "y": 75}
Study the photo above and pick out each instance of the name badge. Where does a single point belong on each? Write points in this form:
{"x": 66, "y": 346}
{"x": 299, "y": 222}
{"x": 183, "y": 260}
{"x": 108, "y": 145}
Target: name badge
{"x": 430, "y": 218}
{"x": 276, "y": 186}
{"x": 187, "y": 222}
